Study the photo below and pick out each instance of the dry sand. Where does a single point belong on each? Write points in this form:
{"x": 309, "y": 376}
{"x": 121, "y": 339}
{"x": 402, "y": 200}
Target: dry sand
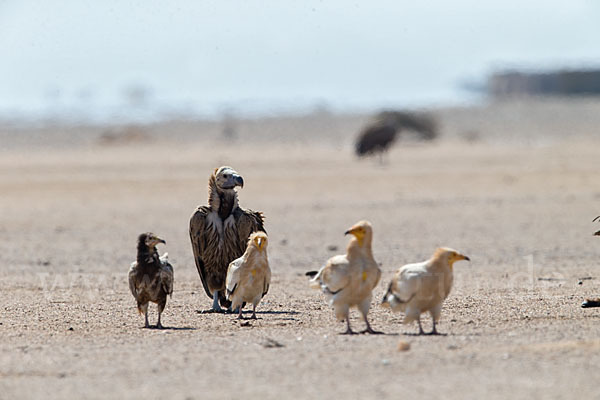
{"x": 513, "y": 326}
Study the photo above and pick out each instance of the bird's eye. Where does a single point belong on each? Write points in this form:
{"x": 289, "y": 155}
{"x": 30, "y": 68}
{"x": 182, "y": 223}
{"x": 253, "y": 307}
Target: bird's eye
{"x": 225, "y": 176}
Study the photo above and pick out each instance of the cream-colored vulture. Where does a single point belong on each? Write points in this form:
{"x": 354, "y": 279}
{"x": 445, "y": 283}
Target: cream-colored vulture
{"x": 150, "y": 276}
{"x": 348, "y": 280}
{"x": 219, "y": 233}
{"x": 421, "y": 287}
{"x": 249, "y": 277}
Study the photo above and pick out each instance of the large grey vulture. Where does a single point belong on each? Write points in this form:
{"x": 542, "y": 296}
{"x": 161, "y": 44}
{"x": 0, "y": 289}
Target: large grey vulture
{"x": 219, "y": 233}
{"x": 150, "y": 276}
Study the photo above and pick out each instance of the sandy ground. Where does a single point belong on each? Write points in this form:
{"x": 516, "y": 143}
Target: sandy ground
{"x": 513, "y": 326}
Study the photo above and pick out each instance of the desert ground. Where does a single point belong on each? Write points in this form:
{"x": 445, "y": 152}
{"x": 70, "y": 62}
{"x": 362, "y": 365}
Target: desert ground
{"x": 512, "y": 185}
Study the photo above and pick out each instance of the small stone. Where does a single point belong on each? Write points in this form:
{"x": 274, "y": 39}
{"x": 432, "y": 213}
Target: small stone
{"x": 385, "y": 362}
{"x": 403, "y": 346}
{"x": 332, "y": 247}
{"x": 71, "y": 328}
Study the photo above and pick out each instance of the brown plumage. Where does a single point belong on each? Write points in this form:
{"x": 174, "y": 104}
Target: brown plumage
{"x": 591, "y": 303}
{"x": 378, "y": 136}
{"x": 348, "y": 280}
{"x": 219, "y": 232}
{"x": 150, "y": 276}
{"x": 249, "y": 277}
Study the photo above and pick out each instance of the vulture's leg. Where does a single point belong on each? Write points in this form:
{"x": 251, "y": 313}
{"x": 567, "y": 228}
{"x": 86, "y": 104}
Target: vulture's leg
{"x": 349, "y": 330}
{"x": 145, "y": 310}
{"x": 253, "y": 311}
{"x": 216, "y": 307}
{"x": 369, "y": 329}
{"x": 421, "y": 332}
{"x": 161, "y": 307}
{"x": 434, "y": 331}
{"x": 240, "y": 312}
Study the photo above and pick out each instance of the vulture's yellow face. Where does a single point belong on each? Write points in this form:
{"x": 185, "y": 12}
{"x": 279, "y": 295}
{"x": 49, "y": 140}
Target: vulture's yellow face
{"x": 227, "y": 178}
{"x": 152, "y": 240}
{"x": 259, "y": 240}
{"x": 359, "y": 231}
{"x": 453, "y": 256}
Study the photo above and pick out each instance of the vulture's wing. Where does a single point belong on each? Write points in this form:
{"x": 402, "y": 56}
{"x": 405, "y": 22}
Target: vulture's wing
{"x": 197, "y": 223}
{"x": 335, "y": 275}
{"x": 248, "y": 221}
{"x": 132, "y": 282}
{"x": 166, "y": 274}
{"x": 267, "y": 283}
{"x": 408, "y": 281}
{"x": 234, "y": 273}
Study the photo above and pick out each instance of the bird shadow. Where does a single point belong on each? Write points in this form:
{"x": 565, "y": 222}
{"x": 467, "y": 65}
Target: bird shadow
{"x": 273, "y": 312}
{"x": 424, "y": 334}
{"x": 170, "y": 328}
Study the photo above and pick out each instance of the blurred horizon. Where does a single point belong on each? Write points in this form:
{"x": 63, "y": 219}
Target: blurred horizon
{"x": 93, "y": 61}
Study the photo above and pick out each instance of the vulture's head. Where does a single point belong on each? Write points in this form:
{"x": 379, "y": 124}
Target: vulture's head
{"x": 360, "y": 231}
{"x": 226, "y": 178}
{"x": 149, "y": 240}
{"x": 258, "y": 240}
{"x": 449, "y": 255}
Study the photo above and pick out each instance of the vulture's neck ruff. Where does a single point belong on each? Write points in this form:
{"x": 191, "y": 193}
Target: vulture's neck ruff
{"x": 147, "y": 257}
{"x": 221, "y": 201}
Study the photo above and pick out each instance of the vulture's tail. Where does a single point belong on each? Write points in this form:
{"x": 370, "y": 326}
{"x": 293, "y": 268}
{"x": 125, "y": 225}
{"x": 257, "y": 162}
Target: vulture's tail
{"x": 589, "y": 303}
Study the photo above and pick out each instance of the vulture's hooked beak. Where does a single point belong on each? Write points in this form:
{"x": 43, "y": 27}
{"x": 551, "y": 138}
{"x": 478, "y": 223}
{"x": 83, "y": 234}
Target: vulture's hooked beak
{"x": 239, "y": 181}
{"x": 159, "y": 240}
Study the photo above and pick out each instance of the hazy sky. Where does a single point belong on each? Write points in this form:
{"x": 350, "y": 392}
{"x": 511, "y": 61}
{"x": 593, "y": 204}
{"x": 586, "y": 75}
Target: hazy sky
{"x": 344, "y": 53}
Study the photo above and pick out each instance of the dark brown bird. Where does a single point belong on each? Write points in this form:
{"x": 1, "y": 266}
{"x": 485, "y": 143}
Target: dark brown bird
{"x": 589, "y": 303}
{"x": 219, "y": 233}
{"x": 378, "y": 136}
{"x": 150, "y": 276}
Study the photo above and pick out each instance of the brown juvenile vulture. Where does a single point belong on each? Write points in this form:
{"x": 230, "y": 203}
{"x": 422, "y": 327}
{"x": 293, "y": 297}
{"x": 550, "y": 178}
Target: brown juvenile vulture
{"x": 378, "y": 136}
{"x": 150, "y": 276}
{"x": 220, "y": 231}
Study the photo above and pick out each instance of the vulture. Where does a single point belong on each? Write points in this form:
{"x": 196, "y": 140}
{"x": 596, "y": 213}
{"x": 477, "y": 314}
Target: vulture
{"x": 249, "y": 277}
{"x": 378, "y": 136}
{"x": 150, "y": 276}
{"x": 348, "y": 280}
{"x": 589, "y": 303}
{"x": 219, "y": 233}
{"x": 421, "y": 287}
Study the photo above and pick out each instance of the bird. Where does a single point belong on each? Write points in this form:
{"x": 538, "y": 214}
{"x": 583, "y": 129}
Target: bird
{"x": 592, "y": 303}
{"x": 421, "y": 287}
{"x": 219, "y": 233}
{"x": 249, "y": 277}
{"x": 150, "y": 276}
{"x": 381, "y": 133}
{"x": 348, "y": 280}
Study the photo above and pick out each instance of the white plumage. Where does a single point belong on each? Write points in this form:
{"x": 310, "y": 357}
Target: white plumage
{"x": 421, "y": 287}
{"x": 249, "y": 277}
{"x": 348, "y": 280}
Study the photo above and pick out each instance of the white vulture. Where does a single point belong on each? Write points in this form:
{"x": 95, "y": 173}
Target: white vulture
{"x": 150, "y": 276}
{"x": 348, "y": 280}
{"x": 421, "y": 287}
{"x": 249, "y": 277}
{"x": 219, "y": 233}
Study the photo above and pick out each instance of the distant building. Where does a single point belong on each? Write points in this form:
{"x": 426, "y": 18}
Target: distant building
{"x": 552, "y": 83}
